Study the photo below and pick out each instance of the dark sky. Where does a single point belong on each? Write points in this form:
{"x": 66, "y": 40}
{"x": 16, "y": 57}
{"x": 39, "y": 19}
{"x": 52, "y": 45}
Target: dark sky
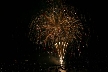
{"x": 17, "y": 14}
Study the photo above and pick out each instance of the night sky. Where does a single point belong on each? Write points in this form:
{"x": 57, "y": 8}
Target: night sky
{"x": 16, "y": 46}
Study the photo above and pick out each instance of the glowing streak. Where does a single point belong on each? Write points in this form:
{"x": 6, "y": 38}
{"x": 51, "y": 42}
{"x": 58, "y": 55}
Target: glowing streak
{"x": 61, "y": 60}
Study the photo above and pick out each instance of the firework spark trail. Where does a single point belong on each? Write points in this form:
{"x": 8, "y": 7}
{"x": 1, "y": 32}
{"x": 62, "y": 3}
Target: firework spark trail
{"x": 57, "y": 26}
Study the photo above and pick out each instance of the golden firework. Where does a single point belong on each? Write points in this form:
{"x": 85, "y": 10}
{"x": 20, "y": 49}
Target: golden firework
{"x": 57, "y": 25}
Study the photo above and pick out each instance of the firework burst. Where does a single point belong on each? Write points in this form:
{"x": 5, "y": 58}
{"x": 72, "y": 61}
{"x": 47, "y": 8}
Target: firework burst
{"x": 57, "y": 26}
